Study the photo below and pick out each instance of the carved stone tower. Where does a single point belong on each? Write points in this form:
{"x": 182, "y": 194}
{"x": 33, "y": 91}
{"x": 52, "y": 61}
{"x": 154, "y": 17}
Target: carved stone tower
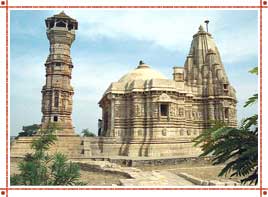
{"x": 205, "y": 74}
{"x": 57, "y": 92}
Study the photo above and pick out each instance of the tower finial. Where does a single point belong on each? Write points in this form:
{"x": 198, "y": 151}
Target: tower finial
{"x": 207, "y": 21}
{"x": 142, "y": 65}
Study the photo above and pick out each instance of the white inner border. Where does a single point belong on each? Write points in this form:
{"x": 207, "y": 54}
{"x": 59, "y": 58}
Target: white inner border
{"x": 128, "y": 3}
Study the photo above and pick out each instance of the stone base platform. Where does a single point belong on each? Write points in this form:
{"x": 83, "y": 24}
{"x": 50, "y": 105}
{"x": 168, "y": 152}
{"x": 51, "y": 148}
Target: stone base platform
{"x": 70, "y": 145}
{"x": 134, "y": 153}
{"x": 150, "y": 161}
{"x": 155, "y": 161}
{"x": 138, "y": 147}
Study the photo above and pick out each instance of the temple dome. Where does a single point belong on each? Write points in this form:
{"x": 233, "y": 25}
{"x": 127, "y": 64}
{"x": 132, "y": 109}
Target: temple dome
{"x": 142, "y": 72}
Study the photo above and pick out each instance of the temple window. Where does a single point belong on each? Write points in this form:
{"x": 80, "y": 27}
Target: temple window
{"x": 61, "y": 24}
{"x": 56, "y": 100}
{"x": 225, "y": 87}
{"x": 226, "y": 113}
{"x": 51, "y": 24}
{"x": 55, "y": 118}
{"x": 105, "y": 118}
{"x": 58, "y": 64}
{"x": 164, "y": 109}
{"x": 180, "y": 77}
{"x": 70, "y": 27}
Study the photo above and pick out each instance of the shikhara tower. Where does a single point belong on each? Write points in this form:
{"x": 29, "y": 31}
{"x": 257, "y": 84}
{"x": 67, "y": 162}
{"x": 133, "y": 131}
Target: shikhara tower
{"x": 57, "y": 92}
{"x": 204, "y": 72}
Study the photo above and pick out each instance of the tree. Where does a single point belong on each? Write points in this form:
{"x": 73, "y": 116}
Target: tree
{"x": 40, "y": 168}
{"x": 29, "y": 130}
{"x": 87, "y": 133}
{"x": 237, "y": 148}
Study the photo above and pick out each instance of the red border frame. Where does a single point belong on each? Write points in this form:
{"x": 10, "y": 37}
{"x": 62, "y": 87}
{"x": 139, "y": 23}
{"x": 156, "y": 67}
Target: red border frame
{"x": 7, "y": 93}
{"x": 7, "y": 188}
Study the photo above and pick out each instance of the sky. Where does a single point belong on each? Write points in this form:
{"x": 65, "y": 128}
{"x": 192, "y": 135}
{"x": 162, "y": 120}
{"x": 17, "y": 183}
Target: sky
{"x": 110, "y": 43}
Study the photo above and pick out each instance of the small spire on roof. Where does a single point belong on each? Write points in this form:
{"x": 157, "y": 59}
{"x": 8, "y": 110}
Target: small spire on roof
{"x": 142, "y": 65}
{"x": 201, "y": 28}
{"x": 62, "y": 15}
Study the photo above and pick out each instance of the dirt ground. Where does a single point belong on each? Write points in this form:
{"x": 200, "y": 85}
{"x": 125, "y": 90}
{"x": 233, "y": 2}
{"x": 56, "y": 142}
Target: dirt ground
{"x": 205, "y": 172}
{"x": 98, "y": 178}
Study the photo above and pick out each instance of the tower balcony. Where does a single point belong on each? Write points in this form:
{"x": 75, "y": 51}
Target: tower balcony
{"x": 60, "y": 36}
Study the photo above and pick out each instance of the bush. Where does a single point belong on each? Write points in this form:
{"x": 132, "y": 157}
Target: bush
{"x": 87, "y": 133}
{"x": 29, "y": 130}
{"x": 40, "y": 168}
{"x": 236, "y": 148}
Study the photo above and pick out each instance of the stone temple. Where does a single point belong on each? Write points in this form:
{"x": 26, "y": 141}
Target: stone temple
{"x": 144, "y": 114}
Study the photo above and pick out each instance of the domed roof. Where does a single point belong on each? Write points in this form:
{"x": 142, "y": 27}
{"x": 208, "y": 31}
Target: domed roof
{"x": 142, "y": 72}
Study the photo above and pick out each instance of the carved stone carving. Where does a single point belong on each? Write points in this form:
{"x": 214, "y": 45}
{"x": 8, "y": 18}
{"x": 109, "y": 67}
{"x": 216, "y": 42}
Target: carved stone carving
{"x": 194, "y": 115}
{"x": 164, "y": 132}
{"x": 172, "y": 110}
{"x": 188, "y": 132}
{"x": 181, "y": 112}
{"x": 117, "y": 111}
{"x": 154, "y": 110}
{"x": 138, "y": 110}
{"x": 164, "y": 98}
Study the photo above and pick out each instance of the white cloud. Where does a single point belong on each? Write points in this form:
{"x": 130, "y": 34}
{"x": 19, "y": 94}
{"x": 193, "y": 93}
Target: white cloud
{"x": 237, "y": 46}
{"x": 167, "y": 29}
{"x": 171, "y": 30}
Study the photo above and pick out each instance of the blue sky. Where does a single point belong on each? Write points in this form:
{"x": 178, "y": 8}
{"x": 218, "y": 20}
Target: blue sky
{"x": 109, "y": 43}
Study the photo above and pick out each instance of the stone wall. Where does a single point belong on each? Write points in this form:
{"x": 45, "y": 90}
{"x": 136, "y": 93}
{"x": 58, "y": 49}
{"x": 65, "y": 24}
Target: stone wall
{"x": 111, "y": 147}
{"x": 165, "y": 147}
{"x": 71, "y": 146}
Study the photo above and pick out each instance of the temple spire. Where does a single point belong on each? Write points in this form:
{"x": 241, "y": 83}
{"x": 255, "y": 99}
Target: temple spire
{"x": 201, "y": 28}
{"x": 204, "y": 58}
{"x": 142, "y": 65}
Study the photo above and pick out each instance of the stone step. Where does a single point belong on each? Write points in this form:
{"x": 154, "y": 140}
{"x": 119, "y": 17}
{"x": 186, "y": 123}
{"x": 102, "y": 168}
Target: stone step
{"x": 155, "y": 178}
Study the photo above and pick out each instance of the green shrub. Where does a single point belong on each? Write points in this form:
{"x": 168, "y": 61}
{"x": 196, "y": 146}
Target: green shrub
{"x": 29, "y": 130}
{"x": 236, "y": 148}
{"x": 40, "y": 168}
{"x": 87, "y": 133}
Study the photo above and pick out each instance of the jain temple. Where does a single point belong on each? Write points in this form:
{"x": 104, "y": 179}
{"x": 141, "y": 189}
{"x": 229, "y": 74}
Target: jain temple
{"x": 144, "y": 114}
